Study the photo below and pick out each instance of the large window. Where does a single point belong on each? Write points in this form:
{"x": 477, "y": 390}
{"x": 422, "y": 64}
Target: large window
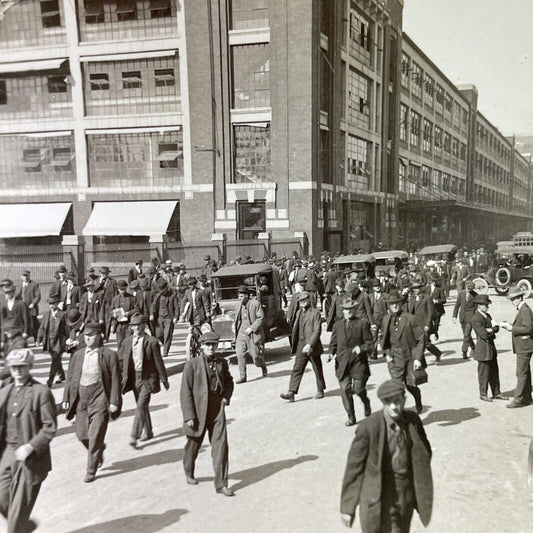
{"x": 251, "y": 76}
{"x": 358, "y": 99}
{"x": 132, "y": 87}
{"x": 402, "y": 177}
{"x": 447, "y": 142}
{"x": 429, "y": 89}
{"x": 252, "y": 153}
{"x": 414, "y": 178}
{"x": 406, "y": 66}
{"x": 251, "y": 219}
{"x": 438, "y": 141}
{"x": 404, "y": 120}
{"x": 359, "y": 220}
{"x": 358, "y": 152}
{"x": 439, "y": 99}
{"x": 417, "y": 81}
{"x": 414, "y": 136}
{"x": 249, "y": 14}
{"x": 360, "y": 43}
{"x": 129, "y": 159}
{"x": 428, "y": 135}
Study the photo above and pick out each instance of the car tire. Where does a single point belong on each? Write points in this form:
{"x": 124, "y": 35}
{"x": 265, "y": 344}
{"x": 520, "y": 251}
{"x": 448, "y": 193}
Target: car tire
{"x": 503, "y": 276}
{"x": 480, "y": 285}
{"x": 525, "y": 286}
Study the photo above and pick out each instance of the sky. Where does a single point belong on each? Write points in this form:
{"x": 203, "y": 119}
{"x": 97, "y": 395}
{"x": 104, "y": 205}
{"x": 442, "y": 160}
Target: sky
{"x": 487, "y": 43}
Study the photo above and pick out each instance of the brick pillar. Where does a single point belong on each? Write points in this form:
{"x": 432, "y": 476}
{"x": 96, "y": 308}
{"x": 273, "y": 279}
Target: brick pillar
{"x": 73, "y": 255}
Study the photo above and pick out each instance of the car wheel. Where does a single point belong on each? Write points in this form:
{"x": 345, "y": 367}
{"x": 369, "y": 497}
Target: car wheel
{"x": 480, "y": 285}
{"x": 502, "y": 291}
{"x": 525, "y": 286}
{"x": 503, "y": 276}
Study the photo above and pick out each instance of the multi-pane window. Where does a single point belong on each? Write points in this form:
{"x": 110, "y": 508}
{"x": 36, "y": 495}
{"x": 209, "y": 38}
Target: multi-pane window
{"x": 429, "y": 89}
{"x": 414, "y": 179}
{"x": 456, "y": 114}
{"x": 439, "y": 99}
{"x": 37, "y": 162}
{"x": 358, "y": 99}
{"x": 448, "y": 103}
{"x": 417, "y": 79}
{"x": 445, "y": 182}
{"x": 251, "y": 219}
{"x": 402, "y": 171}
{"x": 252, "y": 153}
{"x": 359, "y": 35}
{"x": 135, "y": 159}
{"x": 358, "y": 152}
{"x": 414, "y": 130}
{"x": 126, "y": 19}
{"x": 406, "y": 65}
{"x": 428, "y": 135}
{"x": 359, "y": 220}
{"x": 455, "y": 147}
{"x": 426, "y": 176}
{"x": 134, "y": 86}
{"x": 251, "y": 76}
{"x": 35, "y": 97}
{"x": 404, "y": 114}
{"x": 465, "y": 117}
{"x": 249, "y": 14}
{"x": 438, "y": 141}
{"x": 435, "y": 179}
{"x": 462, "y": 153}
{"x": 447, "y": 142}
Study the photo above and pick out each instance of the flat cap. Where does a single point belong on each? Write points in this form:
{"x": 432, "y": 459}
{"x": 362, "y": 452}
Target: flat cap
{"x": 515, "y": 292}
{"x": 390, "y": 389}
{"x": 19, "y": 357}
{"x": 210, "y": 336}
{"x": 348, "y": 303}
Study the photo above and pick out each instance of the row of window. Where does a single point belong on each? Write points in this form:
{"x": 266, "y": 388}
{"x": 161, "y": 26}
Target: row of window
{"x": 425, "y": 182}
{"x": 490, "y": 143}
{"x": 490, "y": 198}
{"x": 490, "y": 171}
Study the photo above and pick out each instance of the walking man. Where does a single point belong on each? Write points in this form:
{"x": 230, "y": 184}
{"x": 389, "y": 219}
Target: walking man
{"x": 27, "y": 425}
{"x": 351, "y": 343}
{"x": 91, "y": 306}
{"x": 163, "y": 312}
{"x": 142, "y": 371}
{"x": 305, "y": 343}
{"x": 388, "y": 471}
{"x": 464, "y": 309}
{"x": 249, "y": 335}
{"x": 206, "y": 389}
{"x": 136, "y": 271}
{"x": 14, "y": 319}
{"x": 378, "y": 307}
{"x": 93, "y": 394}
{"x": 122, "y": 308}
{"x": 31, "y": 296}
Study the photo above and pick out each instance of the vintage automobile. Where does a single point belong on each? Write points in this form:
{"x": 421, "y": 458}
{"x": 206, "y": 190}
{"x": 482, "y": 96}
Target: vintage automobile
{"x": 439, "y": 252}
{"x": 263, "y": 280}
{"x": 356, "y": 263}
{"x": 391, "y": 261}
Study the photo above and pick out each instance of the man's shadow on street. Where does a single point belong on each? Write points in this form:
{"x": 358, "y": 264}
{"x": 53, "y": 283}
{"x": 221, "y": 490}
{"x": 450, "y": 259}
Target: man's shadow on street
{"x": 259, "y": 473}
{"x": 451, "y": 417}
{"x": 140, "y": 523}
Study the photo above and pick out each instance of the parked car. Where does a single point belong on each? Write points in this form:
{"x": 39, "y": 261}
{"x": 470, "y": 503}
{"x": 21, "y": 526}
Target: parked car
{"x": 358, "y": 263}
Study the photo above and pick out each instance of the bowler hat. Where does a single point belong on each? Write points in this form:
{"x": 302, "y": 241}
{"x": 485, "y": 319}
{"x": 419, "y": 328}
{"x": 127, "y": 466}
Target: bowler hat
{"x": 202, "y": 278}
{"x": 139, "y": 262}
{"x": 515, "y": 292}
{"x": 390, "y": 389}
{"x": 73, "y": 318}
{"x": 104, "y": 270}
{"x": 93, "y": 328}
{"x": 482, "y": 299}
{"x": 243, "y": 289}
{"x": 348, "y": 303}
{"x": 394, "y": 297}
{"x": 137, "y": 318}
{"x": 62, "y": 269}
{"x": 207, "y": 258}
{"x": 26, "y": 272}
{"x": 20, "y": 357}
{"x": 192, "y": 281}
{"x": 210, "y": 336}
{"x": 122, "y": 284}
{"x": 376, "y": 283}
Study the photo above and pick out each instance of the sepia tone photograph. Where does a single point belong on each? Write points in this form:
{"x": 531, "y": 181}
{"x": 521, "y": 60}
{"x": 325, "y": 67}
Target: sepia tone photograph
{"x": 266, "y": 266}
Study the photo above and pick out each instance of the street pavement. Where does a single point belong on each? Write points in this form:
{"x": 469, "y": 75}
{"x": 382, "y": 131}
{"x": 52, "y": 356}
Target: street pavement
{"x": 287, "y": 460}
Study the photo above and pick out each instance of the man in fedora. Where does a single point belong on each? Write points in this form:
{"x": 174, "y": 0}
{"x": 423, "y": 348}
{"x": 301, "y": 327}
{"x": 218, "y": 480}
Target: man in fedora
{"x": 31, "y": 295}
{"x": 388, "y": 471}
{"x": 92, "y": 394}
{"x": 106, "y": 289}
{"x": 59, "y": 286}
{"x": 27, "y": 425}
{"x": 249, "y": 335}
{"x": 14, "y": 318}
{"x": 122, "y": 309}
{"x": 378, "y": 307}
{"x": 485, "y": 352}
{"x": 403, "y": 344}
{"x": 195, "y": 309}
{"x": 351, "y": 343}
{"x": 91, "y": 306}
{"x": 522, "y": 334}
{"x": 464, "y": 309}
{"x": 142, "y": 371}
{"x": 136, "y": 271}
{"x": 163, "y": 312}
{"x": 206, "y": 389}
{"x": 437, "y": 293}
{"x": 52, "y": 335}
{"x": 305, "y": 343}
{"x": 73, "y": 295}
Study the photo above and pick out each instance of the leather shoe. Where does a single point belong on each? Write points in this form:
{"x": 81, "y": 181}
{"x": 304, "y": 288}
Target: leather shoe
{"x": 265, "y": 371}
{"x": 146, "y": 436}
{"x": 101, "y": 458}
{"x": 287, "y": 396}
{"x": 515, "y": 405}
{"x": 350, "y": 422}
{"x": 368, "y": 409}
{"x": 89, "y": 478}
{"x": 465, "y": 356}
{"x": 319, "y": 395}
{"x": 226, "y": 491}
{"x": 499, "y": 397}
{"x": 133, "y": 443}
{"x": 240, "y": 380}
{"x": 485, "y": 398}
{"x": 192, "y": 481}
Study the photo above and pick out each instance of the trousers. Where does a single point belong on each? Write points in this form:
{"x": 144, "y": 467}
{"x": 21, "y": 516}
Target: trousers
{"x": 123, "y": 330}
{"x": 488, "y": 375}
{"x": 142, "y": 418}
{"x": 215, "y": 426}
{"x": 165, "y": 329}
{"x": 350, "y": 386}
{"x": 468, "y": 342}
{"x": 522, "y": 393}
{"x": 17, "y": 493}
{"x": 92, "y": 418}
{"x": 245, "y": 344}
{"x": 56, "y": 367}
{"x": 300, "y": 362}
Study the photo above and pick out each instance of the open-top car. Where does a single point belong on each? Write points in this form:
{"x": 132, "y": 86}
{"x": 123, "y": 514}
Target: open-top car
{"x": 356, "y": 263}
{"x": 263, "y": 281}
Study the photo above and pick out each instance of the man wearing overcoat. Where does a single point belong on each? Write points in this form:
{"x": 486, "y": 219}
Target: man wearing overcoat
{"x": 125, "y": 301}
{"x": 14, "y": 319}
{"x": 31, "y": 296}
{"x": 464, "y": 309}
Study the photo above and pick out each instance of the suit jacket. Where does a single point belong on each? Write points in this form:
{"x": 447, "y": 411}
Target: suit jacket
{"x": 345, "y": 337}
{"x": 31, "y": 294}
{"x": 36, "y": 425}
{"x": 58, "y": 290}
{"x": 109, "y": 374}
{"x": 194, "y": 393}
{"x": 255, "y": 317}
{"x": 75, "y": 298}
{"x": 363, "y": 309}
{"x": 523, "y": 330}
{"x": 18, "y": 318}
{"x": 363, "y": 477}
{"x": 107, "y": 290}
{"x": 153, "y": 368}
{"x": 329, "y": 281}
{"x": 133, "y": 274}
{"x": 44, "y": 331}
{"x": 422, "y": 311}
{"x": 202, "y": 305}
{"x": 173, "y": 307}
{"x": 127, "y": 302}
{"x": 463, "y": 308}
{"x": 143, "y": 302}
{"x": 308, "y": 332}
{"x": 377, "y": 307}
{"x": 485, "y": 349}
{"x": 335, "y": 311}
{"x": 438, "y": 297}
{"x": 98, "y": 310}
{"x": 411, "y": 339}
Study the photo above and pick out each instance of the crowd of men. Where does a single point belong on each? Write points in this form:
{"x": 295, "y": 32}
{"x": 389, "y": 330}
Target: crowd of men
{"x": 394, "y": 315}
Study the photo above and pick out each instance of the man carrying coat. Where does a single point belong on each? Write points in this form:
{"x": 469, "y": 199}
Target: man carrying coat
{"x": 206, "y": 389}
{"x": 93, "y": 394}
{"x": 351, "y": 343}
{"x": 142, "y": 370}
{"x": 305, "y": 343}
{"x": 27, "y": 425}
{"x": 388, "y": 471}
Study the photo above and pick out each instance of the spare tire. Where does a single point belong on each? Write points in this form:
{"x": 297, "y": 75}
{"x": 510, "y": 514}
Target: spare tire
{"x": 503, "y": 276}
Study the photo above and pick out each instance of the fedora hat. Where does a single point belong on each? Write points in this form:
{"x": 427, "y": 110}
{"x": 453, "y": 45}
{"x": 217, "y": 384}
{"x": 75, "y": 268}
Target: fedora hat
{"x": 104, "y": 270}
{"x": 348, "y": 303}
{"x": 417, "y": 284}
{"x": 515, "y": 292}
{"x": 62, "y": 269}
{"x": 482, "y": 299}
{"x": 395, "y": 297}
{"x": 137, "y": 318}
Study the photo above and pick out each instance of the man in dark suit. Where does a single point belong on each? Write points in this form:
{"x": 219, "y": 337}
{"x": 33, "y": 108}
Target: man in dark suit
{"x": 122, "y": 309}
{"x": 485, "y": 352}
{"x": 59, "y": 286}
{"x": 91, "y": 306}
{"x": 73, "y": 294}
{"x": 75, "y": 325}
{"x": 142, "y": 370}
{"x": 195, "y": 309}
{"x": 351, "y": 342}
{"x": 522, "y": 334}
{"x": 31, "y": 295}
{"x": 136, "y": 271}
{"x": 437, "y": 293}
{"x": 53, "y": 335}
{"x": 464, "y": 309}
{"x": 378, "y": 307}
{"x": 206, "y": 389}
{"x": 164, "y": 312}
{"x": 305, "y": 343}
{"x": 388, "y": 471}
{"x": 330, "y": 277}
{"x": 93, "y": 394}
{"x": 335, "y": 310}
{"x": 106, "y": 289}
{"x": 143, "y": 301}
{"x": 27, "y": 425}
{"x": 14, "y": 319}
{"x": 403, "y": 344}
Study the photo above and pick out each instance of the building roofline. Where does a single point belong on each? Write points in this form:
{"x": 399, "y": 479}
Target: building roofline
{"x": 505, "y": 137}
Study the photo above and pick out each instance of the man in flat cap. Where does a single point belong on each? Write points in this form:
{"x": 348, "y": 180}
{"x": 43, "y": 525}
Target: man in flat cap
{"x": 305, "y": 343}
{"x": 163, "y": 312}
{"x": 27, "y": 425}
{"x": 142, "y": 371}
{"x": 388, "y": 471}
{"x": 14, "y": 319}
{"x": 206, "y": 389}
{"x": 464, "y": 309}
{"x": 249, "y": 335}
{"x": 351, "y": 344}
{"x": 122, "y": 309}
{"x": 31, "y": 295}
{"x": 53, "y": 335}
{"x": 93, "y": 394}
